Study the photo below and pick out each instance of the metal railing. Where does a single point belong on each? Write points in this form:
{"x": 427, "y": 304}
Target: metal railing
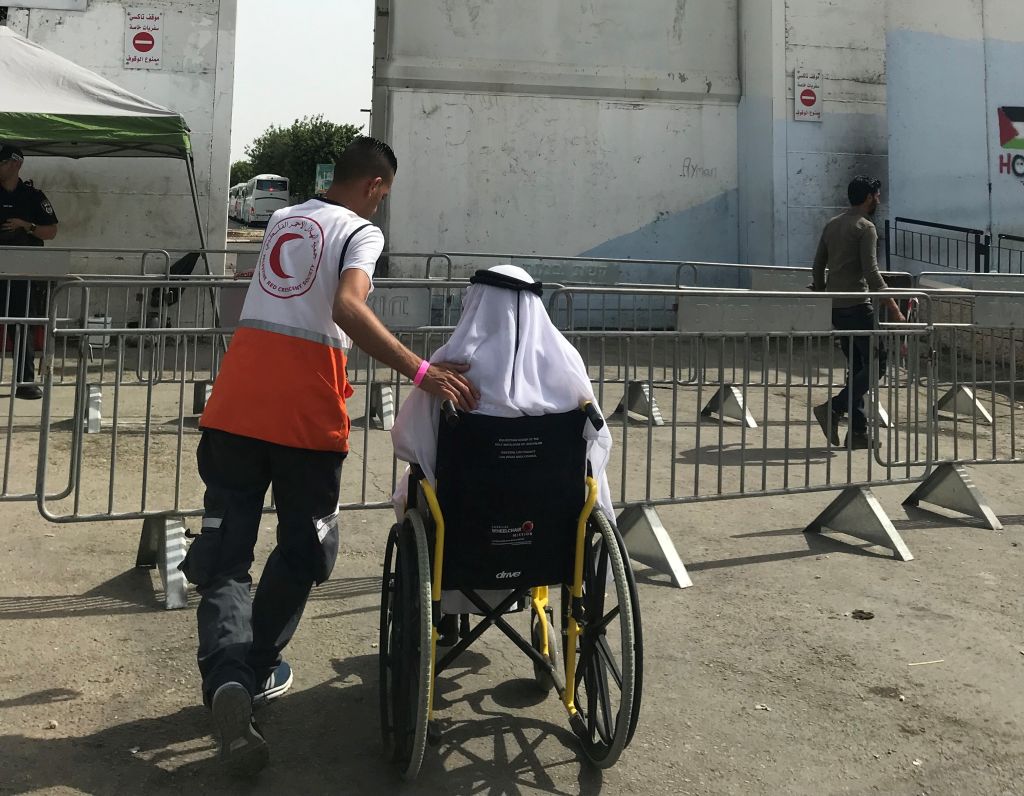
{"x": 1008, "y": 255}
{"x": 718, "y": 406}
{"x": 909, "y": 241}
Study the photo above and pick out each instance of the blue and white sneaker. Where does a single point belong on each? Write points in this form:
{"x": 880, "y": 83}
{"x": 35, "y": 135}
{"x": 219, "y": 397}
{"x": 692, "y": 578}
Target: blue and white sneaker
{"x": 243, "y": 749}
{"x": 280, "y": 680}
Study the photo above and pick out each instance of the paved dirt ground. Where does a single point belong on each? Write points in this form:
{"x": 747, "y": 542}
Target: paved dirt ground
{"x": 99, "y": 690}
{"x": 99, "y": 693}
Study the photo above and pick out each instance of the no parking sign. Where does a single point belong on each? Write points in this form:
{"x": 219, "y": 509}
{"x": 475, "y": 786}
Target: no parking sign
{"x": 806, "y": 96}
{"x": 143, "y": 39}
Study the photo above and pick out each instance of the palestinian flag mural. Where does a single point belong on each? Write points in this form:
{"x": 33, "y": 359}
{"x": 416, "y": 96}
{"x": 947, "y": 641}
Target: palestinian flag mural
{"x": 1011, "y": 128}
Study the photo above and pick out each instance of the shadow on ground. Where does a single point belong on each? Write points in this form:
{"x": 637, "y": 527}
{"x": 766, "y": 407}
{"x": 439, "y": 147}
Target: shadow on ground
{"x": 323, "y": 740}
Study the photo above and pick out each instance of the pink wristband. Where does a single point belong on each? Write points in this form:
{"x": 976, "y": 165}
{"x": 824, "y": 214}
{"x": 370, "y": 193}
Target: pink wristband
{"x": 424, "y": 367}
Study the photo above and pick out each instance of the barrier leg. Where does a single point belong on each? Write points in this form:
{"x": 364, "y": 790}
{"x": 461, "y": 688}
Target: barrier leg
{"x": 961, "y": 400}
{"x": 875, "y": 411}
{"x": 647, "y": 541}
{"x": 382, "y": 406}
{"x": 162, "y": 545}
{"x": 639, "y": 399}
{"x": 200, "y": 395}
{"x": 857, "y": 512}
{"x": 950, "y": 487}
{"x": 727, "y": 403}
{"x": 93, "y": 419}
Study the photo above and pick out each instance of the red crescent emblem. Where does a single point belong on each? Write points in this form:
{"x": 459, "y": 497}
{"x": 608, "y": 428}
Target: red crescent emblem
{"x": 275, "y": 254}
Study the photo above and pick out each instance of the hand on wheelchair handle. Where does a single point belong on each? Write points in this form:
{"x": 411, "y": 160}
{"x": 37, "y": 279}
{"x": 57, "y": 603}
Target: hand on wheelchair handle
{"x": 451, "y": 414}
{"x": 593, "y": 414}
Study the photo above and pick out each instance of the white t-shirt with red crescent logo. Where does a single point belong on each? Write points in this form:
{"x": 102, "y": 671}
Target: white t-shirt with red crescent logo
{"x": 283, "y": 377}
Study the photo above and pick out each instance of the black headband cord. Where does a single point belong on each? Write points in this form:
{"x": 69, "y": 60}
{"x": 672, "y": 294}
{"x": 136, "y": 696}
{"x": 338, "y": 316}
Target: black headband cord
{"x": 493, "y": 279}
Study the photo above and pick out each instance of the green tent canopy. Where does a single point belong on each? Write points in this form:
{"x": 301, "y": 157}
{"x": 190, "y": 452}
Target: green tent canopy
{"x": 52, "y": 106}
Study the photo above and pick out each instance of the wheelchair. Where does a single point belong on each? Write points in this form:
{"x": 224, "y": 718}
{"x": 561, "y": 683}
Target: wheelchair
{"x": 514, "y": 511}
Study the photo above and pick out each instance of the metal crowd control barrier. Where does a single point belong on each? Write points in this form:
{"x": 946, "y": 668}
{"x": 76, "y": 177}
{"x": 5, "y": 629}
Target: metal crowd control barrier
{"x": 1009, "y": 254}
{"x": 724, "y": 456}
{"x": 626, "y": 311}
{"x": 141, "y": 466}
{"x": 773, "y": 277}
{"x": 978, "y": 322}
{"x": 28, "y": 276}
{"x": 909, "y": 240}
{"x": 956, "y": 300}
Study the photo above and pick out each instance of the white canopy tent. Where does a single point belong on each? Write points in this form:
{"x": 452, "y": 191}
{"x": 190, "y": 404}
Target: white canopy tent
{"x": 51, "y": 106}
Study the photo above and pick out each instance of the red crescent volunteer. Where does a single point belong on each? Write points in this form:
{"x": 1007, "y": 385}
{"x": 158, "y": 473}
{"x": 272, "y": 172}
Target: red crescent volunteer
{"x": 277, "y": 419}
{"x": 283, "y": 377}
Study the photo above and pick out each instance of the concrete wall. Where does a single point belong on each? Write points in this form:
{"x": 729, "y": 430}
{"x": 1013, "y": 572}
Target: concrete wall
{"x": 952, "y": 65}
{"x": 794, "y": 173}
{"x": 141, "y": 203}
{"x": 541, "y": 127}
{"x": 602, "y": 128}
{"x": 846, "y": 43}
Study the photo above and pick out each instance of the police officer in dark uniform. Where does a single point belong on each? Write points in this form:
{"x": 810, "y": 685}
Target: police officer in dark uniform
{"x": 26, "y": 219}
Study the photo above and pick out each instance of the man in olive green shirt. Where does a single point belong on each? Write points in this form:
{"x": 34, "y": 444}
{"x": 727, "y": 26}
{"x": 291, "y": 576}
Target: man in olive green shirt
{"x": 848, "y": 248}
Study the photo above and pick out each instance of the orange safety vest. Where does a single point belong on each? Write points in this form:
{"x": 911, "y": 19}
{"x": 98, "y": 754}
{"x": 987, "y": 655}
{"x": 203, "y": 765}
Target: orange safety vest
{"x": 283, "y": 377}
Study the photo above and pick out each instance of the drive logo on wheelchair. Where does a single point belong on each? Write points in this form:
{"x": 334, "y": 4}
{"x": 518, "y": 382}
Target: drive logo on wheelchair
{"x": 506, "y": 575}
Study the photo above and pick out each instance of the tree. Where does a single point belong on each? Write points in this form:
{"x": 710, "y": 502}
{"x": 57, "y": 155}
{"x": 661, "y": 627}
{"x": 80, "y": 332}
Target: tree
{"x": 241, "y": 171}
{"x": 294, "y": 151}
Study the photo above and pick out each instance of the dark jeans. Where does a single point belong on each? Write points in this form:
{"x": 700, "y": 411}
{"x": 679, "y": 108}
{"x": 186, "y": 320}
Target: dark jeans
{"x": 15, "y": 303}
{"x": 858, "y": 355}
{"x": 241, "y": 637}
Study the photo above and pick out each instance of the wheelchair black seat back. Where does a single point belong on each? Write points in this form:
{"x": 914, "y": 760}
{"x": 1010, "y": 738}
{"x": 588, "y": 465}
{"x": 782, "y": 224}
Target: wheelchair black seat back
{"x": 511, "y": 491}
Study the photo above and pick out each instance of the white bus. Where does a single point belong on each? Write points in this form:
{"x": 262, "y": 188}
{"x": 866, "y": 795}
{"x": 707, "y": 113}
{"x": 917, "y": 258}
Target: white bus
{"x": 235, "y": 201}
{"x": 264, "y": 194}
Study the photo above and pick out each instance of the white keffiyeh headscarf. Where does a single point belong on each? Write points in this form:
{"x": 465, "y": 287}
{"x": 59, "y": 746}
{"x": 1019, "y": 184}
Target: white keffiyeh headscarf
{"x": 520, "y": 363}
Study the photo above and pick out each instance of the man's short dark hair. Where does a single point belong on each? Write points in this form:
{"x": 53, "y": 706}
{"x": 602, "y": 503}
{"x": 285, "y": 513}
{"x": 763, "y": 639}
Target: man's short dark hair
{"x": 860, "y": 188}
{"x": 364, "y": 158}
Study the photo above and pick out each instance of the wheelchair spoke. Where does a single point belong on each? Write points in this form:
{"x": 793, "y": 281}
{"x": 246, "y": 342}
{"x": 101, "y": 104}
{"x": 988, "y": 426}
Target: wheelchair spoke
{"x": 602, "y": 626}
{"x": 599, "y": 718}
{"x": 606, "y": 654}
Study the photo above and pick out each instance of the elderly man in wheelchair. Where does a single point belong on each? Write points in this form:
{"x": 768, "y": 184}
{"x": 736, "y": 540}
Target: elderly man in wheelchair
{"x": 502, "y": 511}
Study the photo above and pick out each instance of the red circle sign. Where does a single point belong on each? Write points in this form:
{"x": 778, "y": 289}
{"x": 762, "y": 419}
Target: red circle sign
{"x": 808, "y": 97}
{"x": 143, "y": 42}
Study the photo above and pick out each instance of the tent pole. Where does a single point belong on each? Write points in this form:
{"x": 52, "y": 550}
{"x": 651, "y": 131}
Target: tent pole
{"x": 191, "y": 168}
{"x": 193, "y": 186}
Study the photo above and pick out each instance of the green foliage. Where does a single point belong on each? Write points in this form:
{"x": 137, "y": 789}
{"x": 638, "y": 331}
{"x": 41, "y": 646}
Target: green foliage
{"x": 294, "y": 151}
{"x": 241, "y": 171}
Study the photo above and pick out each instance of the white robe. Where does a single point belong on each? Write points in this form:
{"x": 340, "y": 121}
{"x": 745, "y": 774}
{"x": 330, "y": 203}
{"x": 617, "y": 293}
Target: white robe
{"x": 545, "y": 376}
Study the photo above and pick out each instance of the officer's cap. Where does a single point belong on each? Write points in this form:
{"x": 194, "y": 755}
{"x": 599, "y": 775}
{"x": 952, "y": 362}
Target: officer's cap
{"x": 8, "y": 152}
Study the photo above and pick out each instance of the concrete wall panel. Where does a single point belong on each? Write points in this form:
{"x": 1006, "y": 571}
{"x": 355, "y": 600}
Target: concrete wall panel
{"x": 553, "y": 175}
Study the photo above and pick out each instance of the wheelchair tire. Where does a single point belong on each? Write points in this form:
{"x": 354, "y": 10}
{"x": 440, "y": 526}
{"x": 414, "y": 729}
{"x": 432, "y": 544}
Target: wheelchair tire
{"x": 638, "y": 636}
{"x": 604, "y": 688}
{"x": 404, "y": 649}
{"x": 544, "y": 679}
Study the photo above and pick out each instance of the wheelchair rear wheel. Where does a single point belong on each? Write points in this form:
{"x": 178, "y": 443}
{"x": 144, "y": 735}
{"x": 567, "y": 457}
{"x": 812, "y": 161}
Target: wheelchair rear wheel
{"x": 606, "y": 684}
{"x": 638, "y": 638}
{"x": 404, "y": 647}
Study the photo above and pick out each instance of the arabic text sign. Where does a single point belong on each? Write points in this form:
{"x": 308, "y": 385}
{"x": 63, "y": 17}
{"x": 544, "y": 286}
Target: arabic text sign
{"x": 807, "y": 96}
{"x": 143, "y": 38}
